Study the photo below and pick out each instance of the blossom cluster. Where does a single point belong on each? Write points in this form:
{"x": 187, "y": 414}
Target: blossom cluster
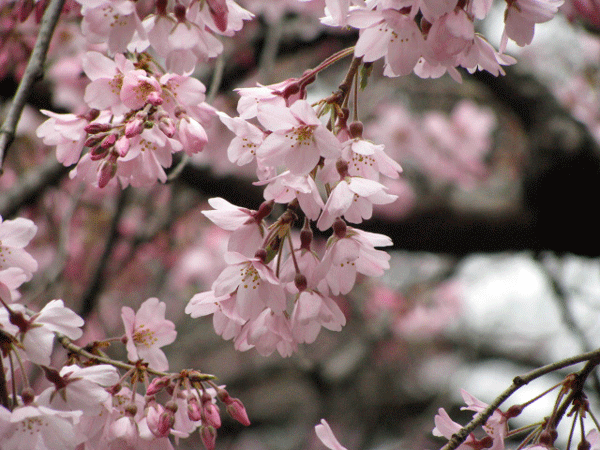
{"x": 89, "y": 404}
{"x": 138, "y": 118}
{"x": 272, "y": 296}
{"x": 431, "y": 38}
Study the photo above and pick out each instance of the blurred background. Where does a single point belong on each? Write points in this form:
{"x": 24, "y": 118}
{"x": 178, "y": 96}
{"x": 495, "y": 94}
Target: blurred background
{"x": 495, "y": 268}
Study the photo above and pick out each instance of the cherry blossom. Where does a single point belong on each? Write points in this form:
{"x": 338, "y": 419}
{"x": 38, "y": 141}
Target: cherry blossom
{"x": 14, "y": 235}
{"x": 147, "y": 331}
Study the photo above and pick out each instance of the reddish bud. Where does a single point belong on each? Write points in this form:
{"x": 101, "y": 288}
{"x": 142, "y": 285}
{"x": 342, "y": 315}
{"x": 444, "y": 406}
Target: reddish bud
{"x": 211, "y": 416}
{"x": 106, "y": 172}
{"x": 167, "y": 126}
{"x": 194, "y": 410}
{"x": 208, "y": 436}
{"x": 236, "y": 409}
{"x": 94, "y": 128}
{"x": 108, "y": 141}
{"x": 513, "y": 411}
{"x": 93, "y": 140}
{"x": 98, "y": 153}
{"x": 157, "y": 385}
{"x": 91, "y": 115}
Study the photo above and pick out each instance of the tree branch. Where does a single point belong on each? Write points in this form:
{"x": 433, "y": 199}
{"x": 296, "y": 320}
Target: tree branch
{"x": 33, "y": 72}
{"x": 518, "y": 382}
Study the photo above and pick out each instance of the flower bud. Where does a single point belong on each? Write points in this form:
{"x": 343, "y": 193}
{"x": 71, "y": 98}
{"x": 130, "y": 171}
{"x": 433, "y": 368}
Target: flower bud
{"x": 157, "y": 385}
{"x": 134, "y": 127}
{"x": 194, "y": 410}
{"x": 211, "y": 416}
{"x": 94, "y": 128}
{"x": 236, "y": 409}
{"x": 106, "y": 172}
{"x": 208, "y": 435}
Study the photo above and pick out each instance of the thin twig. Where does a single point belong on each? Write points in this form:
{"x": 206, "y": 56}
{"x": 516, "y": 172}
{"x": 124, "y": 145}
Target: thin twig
{"x": 33, "y": 72}
{"x": 518, "y": 382}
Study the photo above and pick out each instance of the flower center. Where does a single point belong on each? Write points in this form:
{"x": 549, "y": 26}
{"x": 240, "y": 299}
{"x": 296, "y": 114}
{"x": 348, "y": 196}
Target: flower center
{"x": 144, "y": 336}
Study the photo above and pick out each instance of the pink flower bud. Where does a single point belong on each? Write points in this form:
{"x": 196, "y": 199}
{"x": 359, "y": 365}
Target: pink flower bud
{"x": 154, "y": 98}
{"x": 167, "y": 126}
{"x": 134, "y": 127}
{"x": 98, "y": 153}
{"x": 194, "y": 409}
{"x": 122, "y": 146}
{"x": 209, "y": 437}
{"x": 236, "y": 409}
{"x": 211, "y": 415}
{"x": 106, "y": 172}
{"x": 192, "y": 135}
{"x": 108, "y": 141}
{"x": 94, "y": 128}
{"x": 157, "y": 385}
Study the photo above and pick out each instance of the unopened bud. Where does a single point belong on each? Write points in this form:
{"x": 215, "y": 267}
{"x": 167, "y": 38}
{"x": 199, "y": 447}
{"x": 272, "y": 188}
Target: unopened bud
{"x": 98, "y": 153}
{"x": 92, "y": 141}
{"x": 122, "y": 146}
{"x": 91, "y": 115}
{"x": 134, "y": 127}
{"x": 211, "y": 416}
{"x": 513, "y": 411}
{"x": 236, "y": 409}
{"x": 154, "y": 98}
{"x": 194, "y": 410}
{"x": 208, "y": 435}
{"x": 167, "y": 126}
{"x": 157, "y": 385}
{"x": 106, "y": 172}
{"x": 94, "y": 128}
{"x": 108, "y": 141}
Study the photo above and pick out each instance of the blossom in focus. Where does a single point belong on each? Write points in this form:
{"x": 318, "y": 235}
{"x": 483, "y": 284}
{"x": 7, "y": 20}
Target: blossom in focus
{"x": 147, "y": 331}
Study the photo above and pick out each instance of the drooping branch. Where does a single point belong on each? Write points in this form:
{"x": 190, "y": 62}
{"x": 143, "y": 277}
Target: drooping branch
{"x": 33, "y": 72}
{"x": 518, "y": 382}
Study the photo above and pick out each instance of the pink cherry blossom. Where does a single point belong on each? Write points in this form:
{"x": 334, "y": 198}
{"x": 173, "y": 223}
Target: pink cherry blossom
{"x": 521, "y": 17}
{"x": 147, "y": 331}
{"x": 14, "y": 236}
{"x": 298, "y": 138}
{"x": 39, "y": 427}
